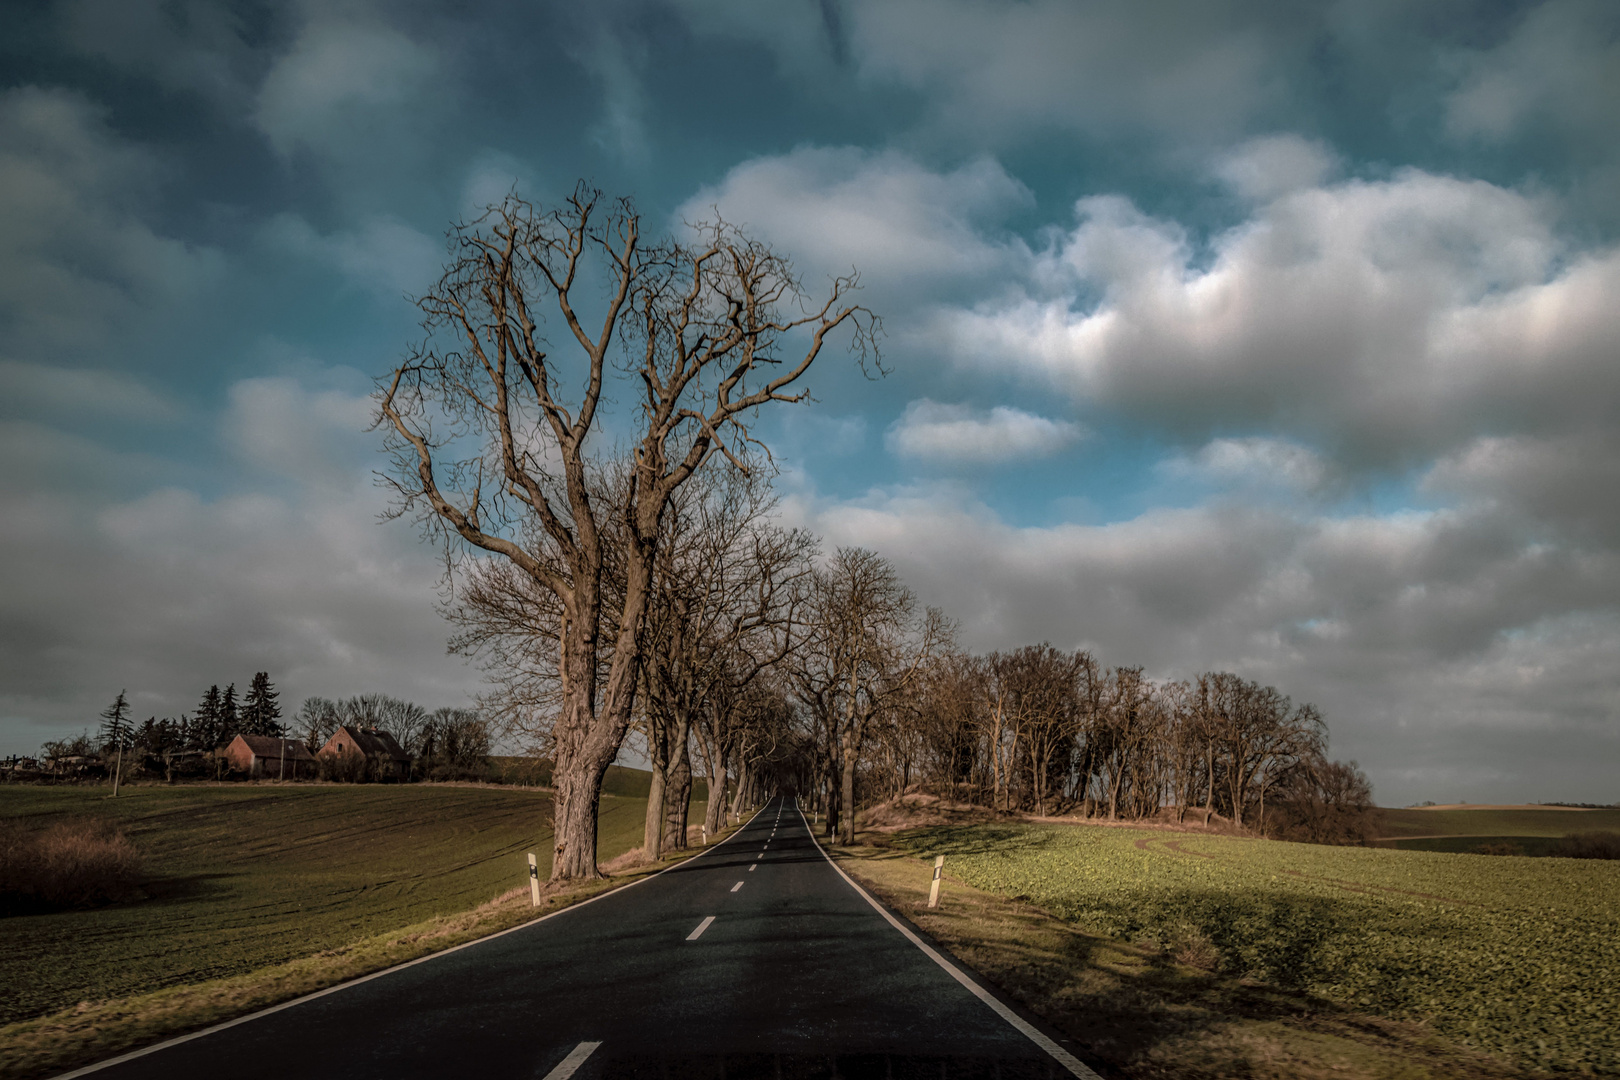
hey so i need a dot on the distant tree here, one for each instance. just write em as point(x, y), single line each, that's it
point(404, 720)
point(58, 750)
point(457, 738)
point(117, 731)
point(208, 725)
point(318, 719)
point(1324, 802)
point(261, 715)
point(230, 723)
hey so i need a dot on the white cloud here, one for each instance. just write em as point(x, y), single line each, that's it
point(1382, 321)
point(383, 254)
point(934, 431)
point(609, 59)
point(1255, 460)
point(342, 72)
point(278, 426)
point(1264, 168)
point(903, 225)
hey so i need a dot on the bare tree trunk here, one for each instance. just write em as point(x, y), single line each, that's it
point(652, 834)
point(677, 801)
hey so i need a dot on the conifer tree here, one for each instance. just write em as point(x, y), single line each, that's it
point(116, 728)
point(117, 732)
point(260, 713)
point(230, 724)
point(206, 728)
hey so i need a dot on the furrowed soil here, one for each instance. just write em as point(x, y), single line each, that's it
point(1185, 955)
point(244, 877)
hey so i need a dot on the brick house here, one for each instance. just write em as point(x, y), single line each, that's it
point(374, 746)
point(262, 756)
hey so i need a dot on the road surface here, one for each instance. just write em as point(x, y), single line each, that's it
point(758, 958)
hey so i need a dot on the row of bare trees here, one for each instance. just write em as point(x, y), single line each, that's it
point(1041, 730)
point(620, 582)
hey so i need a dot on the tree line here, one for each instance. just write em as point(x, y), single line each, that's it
point(446, 743)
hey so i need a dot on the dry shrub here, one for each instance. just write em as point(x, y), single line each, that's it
point(1590, 845)
point(1192, 947)
point(628, 861)
point(1499, 849)
point(69, 864)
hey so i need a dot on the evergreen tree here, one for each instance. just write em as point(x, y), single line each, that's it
point(116, 728)
point(206, 728)
point(230, 724)
point(260, 713)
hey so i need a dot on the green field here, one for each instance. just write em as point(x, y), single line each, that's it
point(1508, 955)
point(246, 876)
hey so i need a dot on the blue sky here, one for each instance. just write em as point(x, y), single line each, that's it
point(1271, 337)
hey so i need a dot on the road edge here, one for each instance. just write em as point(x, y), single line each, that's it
point(959, 971)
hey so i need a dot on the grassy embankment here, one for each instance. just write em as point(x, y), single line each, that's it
point(259, 893)
point(1177, 955)
point(1533, 830)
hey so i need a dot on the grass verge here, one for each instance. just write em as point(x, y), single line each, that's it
point(1147, 1010)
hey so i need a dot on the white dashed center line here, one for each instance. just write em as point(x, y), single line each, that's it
point(751, 869)
point(737, 886)
point(565, 1068)
point(702, 926)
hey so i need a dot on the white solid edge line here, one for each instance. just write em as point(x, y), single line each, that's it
point(85, 1070)
point(565, 1068)
point(702, 926)
point(1024, 1027)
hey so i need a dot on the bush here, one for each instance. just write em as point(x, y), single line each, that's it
point(1591, 845)
point(66, 865)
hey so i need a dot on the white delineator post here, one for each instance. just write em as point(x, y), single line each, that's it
point(534, 881)
point(933, 890)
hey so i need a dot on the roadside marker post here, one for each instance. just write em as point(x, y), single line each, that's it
point(534, 881)
point(933, 890)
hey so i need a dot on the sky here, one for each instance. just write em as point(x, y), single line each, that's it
point(1271, 337)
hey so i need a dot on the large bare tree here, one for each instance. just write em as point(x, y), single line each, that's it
point(489, 427)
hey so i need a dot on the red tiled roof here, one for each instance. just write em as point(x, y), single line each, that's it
point(265, 746)
point(372, 742)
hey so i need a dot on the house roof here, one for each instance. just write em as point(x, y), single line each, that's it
point(373, 742)
point(266, 746)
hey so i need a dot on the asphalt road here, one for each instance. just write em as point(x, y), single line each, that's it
point(757, 958)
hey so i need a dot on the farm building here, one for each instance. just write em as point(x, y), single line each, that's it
point(261, 756)
point(373, 745)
